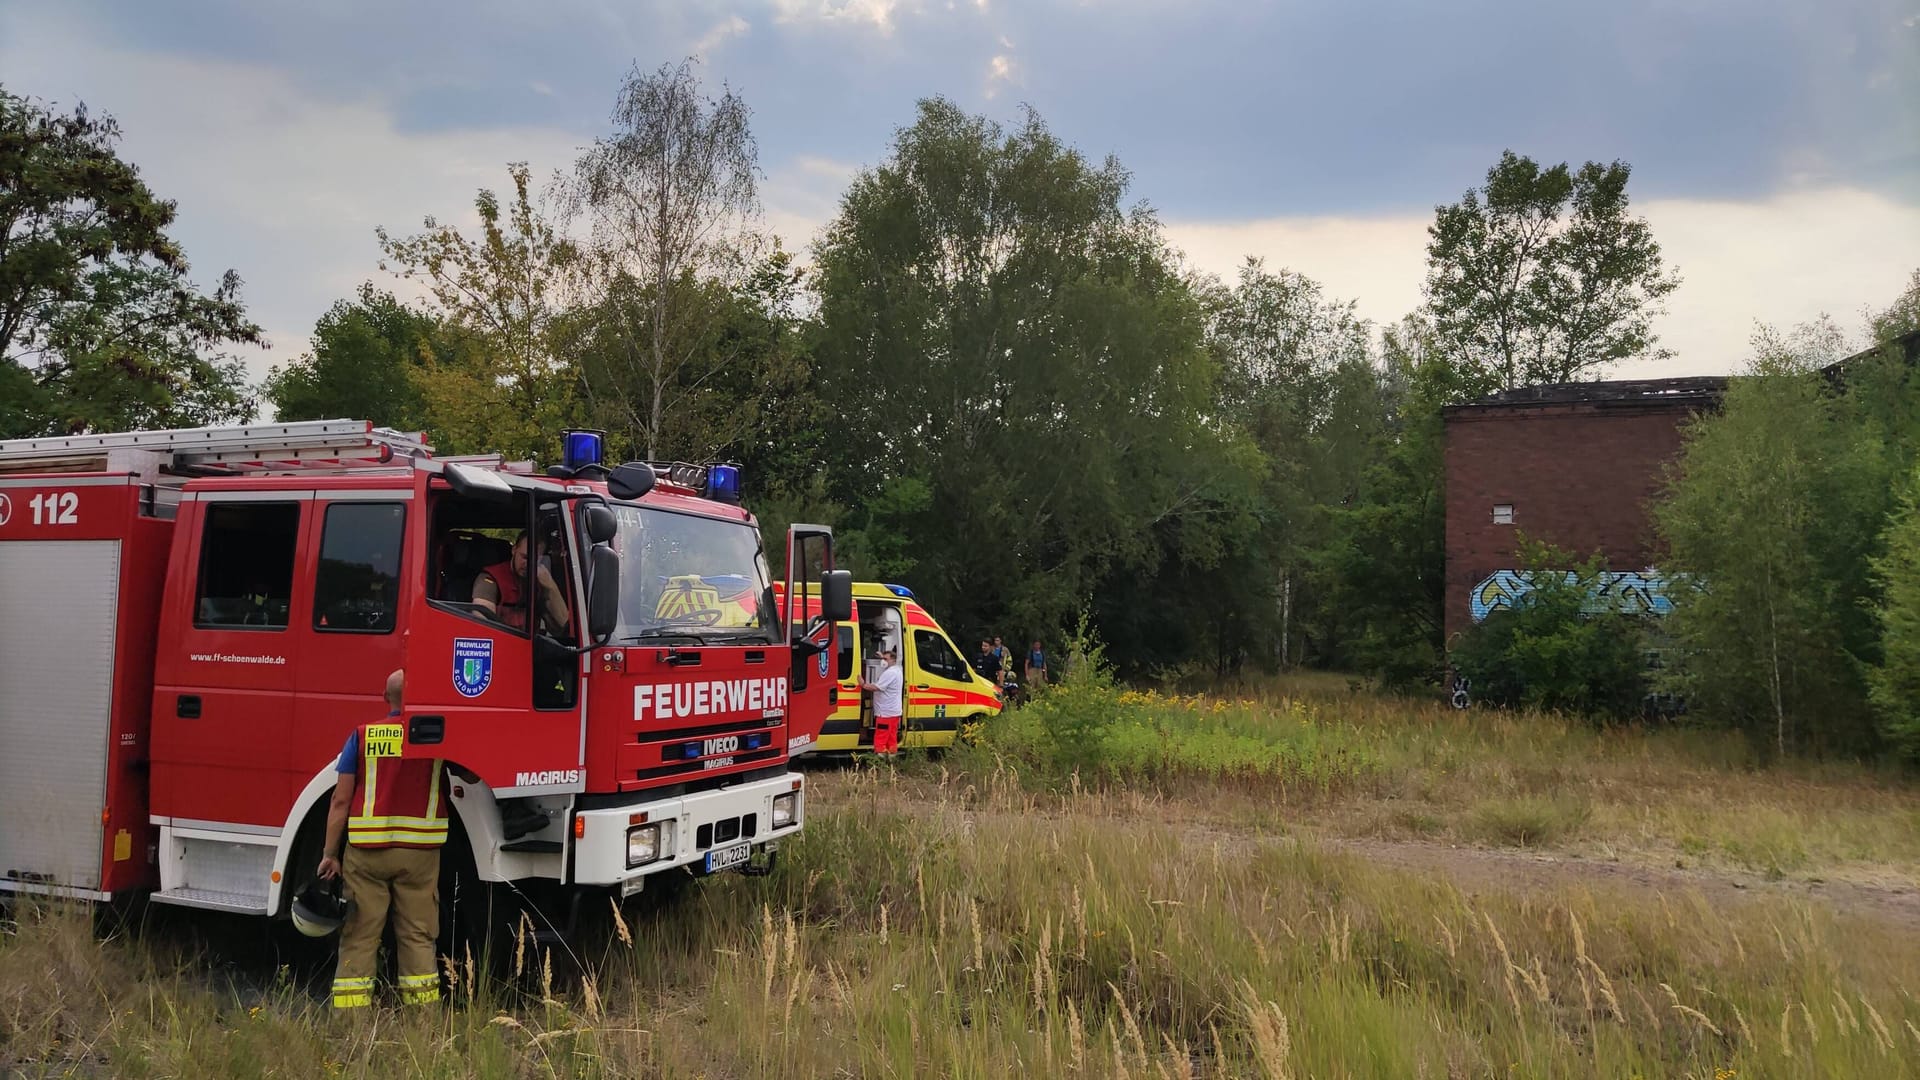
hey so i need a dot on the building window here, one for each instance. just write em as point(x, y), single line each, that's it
point(1503, 514)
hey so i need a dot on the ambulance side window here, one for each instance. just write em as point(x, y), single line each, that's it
point(246, 565)
point(937, 657)
point(357, 587)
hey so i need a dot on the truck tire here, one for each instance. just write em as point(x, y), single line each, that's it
point(476, 921)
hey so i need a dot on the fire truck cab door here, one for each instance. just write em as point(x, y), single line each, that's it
point(811, 637)
point(482, 692)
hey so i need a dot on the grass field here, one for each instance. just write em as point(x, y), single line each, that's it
point(1177, 902)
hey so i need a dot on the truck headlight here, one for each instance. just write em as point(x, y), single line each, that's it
point(643, 844)
point(783, 808)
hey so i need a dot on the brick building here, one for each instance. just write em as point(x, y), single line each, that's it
point(1575, 465)
point(1572, 464)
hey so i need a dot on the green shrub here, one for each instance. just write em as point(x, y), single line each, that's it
point(1087, 726)
point(1551, 651)
point(1528, 820)
point(1895, 681)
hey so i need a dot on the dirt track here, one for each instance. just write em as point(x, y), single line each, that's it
point(1475, 869)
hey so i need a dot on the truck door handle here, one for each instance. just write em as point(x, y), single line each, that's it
point(187, 706)
point(922, 686)
point(426, 730)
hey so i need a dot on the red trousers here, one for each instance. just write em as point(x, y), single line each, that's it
point(886, 734)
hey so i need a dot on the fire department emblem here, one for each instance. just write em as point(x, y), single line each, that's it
point(472, 665)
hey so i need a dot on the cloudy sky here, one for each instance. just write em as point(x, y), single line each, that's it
point(1775, 145)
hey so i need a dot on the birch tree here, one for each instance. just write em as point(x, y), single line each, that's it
point(671, 199)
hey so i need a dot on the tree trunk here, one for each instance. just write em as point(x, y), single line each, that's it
point(1779, 702)
point(653, 425)
point(1286, 619)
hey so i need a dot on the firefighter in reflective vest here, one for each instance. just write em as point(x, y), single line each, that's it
point(500, 590)
point(391, 812)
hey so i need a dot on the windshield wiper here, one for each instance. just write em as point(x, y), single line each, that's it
point(743, 633)
point(655, 632)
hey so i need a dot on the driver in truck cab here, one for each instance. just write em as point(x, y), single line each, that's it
point(499, 590)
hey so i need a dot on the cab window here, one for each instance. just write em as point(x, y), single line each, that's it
point(846, 652)
point(471, 537)
point(246, 566)
point(357, 586)
point(474, 537)
point(937, 657)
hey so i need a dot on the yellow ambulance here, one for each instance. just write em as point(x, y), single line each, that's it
point(942, 689)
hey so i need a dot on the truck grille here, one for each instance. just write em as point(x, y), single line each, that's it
point(726, 830)
point(698, 766)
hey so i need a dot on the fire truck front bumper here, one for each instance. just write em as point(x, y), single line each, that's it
point(707, 832)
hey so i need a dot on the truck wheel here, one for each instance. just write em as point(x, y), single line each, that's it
point(475, 919)
point(663, 891)
point(310, 958)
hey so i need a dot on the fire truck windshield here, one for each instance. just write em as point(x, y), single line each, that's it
point(687, 576)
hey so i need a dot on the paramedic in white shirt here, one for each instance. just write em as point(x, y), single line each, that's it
point(886, 687)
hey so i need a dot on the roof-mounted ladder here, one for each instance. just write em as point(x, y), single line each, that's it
point(250, 450)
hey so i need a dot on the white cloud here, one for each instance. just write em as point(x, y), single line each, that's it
point(731, 27)
point(540, 88)
point(1781, 260)
point(1000, 71)
point(801, 196)
point(878, 13)
point(283, 188)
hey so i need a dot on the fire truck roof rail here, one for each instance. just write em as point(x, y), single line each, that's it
point(255, 449)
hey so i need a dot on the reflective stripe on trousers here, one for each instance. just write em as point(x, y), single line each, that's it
point(419, 989)
point(353, 993)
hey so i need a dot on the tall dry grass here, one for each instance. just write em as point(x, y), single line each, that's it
point(1162, 910)
point(1316, 751)
point(977, 928)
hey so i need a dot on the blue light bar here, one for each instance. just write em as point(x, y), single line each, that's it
point(900, 590)
point(723, 483)
point(580, 448)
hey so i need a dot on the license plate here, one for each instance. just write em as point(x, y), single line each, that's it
point(728, 858)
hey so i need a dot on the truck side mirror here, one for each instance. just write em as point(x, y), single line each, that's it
point(630, 480)
point(603, 592)
point(600, 522)
point(836, 595)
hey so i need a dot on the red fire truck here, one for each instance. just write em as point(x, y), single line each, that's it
point(191, 621)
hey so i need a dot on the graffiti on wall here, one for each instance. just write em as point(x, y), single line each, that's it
point(1629, 592)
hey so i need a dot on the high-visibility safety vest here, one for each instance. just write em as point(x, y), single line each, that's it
point(398, 800)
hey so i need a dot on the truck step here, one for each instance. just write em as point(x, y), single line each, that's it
point(242, 903)
point(534, 847)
